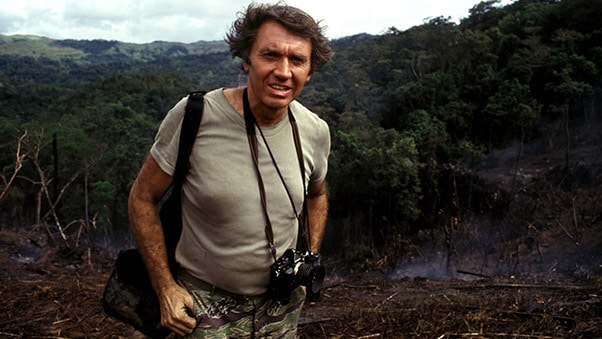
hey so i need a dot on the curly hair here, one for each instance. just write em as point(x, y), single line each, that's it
point(244, 30)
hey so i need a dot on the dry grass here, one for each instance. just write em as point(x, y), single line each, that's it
point(55, 295)
point(453, 309)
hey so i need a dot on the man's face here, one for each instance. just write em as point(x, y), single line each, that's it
point(278, 68)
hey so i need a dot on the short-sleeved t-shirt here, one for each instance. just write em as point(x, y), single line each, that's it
point(223, 240)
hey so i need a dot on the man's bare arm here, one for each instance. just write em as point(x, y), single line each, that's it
point(317, 208)
point(148, 188)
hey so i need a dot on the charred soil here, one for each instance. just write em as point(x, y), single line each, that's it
point(46, 293)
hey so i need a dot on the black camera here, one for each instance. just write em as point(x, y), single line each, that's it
point(295, 268)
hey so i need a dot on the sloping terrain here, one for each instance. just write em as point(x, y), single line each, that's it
point(48, 294)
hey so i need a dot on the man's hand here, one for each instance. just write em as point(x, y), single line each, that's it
point(177, 306)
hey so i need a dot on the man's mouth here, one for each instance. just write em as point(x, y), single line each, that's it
point(280, 88)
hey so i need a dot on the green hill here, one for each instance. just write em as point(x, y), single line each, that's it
point(36, 46)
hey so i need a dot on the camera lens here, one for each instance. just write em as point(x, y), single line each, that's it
point(311, 276)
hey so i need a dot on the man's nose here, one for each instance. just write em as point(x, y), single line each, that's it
point(283, 69)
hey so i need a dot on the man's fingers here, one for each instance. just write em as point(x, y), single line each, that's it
point(175, 313)
point(181, 323)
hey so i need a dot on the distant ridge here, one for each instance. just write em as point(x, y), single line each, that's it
point(38, 46)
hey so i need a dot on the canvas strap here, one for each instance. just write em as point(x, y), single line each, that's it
point(251, 124)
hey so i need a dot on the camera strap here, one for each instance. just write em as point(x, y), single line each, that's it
point(250, 124)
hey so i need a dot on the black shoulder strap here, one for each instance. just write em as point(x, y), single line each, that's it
point(171, 210)
point(190, 127)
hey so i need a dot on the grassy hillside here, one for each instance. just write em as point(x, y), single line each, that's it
point(36, 46)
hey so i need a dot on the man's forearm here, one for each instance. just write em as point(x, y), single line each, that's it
point(148, 188)
point(317, 208)
point(148, 234)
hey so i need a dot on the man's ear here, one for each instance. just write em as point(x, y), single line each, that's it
point(308, 78)
point(245, 67)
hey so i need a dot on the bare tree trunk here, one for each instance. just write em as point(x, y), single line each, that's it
point(46, 193)
point(86, 202)
point(518, 156)
point(55, 156)
point(567, 139)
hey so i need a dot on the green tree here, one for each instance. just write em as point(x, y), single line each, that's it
point(373, 177)
point(124, 136)
point(514, 105)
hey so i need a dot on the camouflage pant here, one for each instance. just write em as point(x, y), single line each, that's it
point(222, 315)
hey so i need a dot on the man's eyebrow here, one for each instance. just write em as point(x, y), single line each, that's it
point(272, 50)
point(269, 50)
point(302, 57)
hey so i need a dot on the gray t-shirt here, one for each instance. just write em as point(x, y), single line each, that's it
point(223, 239)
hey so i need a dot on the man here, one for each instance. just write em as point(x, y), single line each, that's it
point(223, 252)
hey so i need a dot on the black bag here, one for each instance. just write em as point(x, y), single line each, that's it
point(130, 298)
point(128, 295)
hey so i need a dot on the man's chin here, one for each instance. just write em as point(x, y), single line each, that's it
point(279, 103)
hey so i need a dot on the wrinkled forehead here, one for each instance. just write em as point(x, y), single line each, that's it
point(274, 36)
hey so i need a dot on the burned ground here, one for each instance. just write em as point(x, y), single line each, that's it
point(46, 294)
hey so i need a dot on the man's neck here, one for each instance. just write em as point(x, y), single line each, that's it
point(234, 96)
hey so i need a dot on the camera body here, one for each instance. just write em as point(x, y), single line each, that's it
point(293, 269)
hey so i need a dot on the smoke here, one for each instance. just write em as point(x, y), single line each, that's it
point(427, 270)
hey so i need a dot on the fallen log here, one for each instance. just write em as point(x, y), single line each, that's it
point(549, 287)
point(574, 303)
point(491, 335)
point(475, 274)
point(360, 287)
point(306, 321)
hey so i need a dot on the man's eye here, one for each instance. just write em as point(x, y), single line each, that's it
point(298, 61)
point(271, 56)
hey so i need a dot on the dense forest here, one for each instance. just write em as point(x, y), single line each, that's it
point(412, 114)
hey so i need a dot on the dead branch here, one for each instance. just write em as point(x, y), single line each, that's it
point(475, 274)
point(19, 159)
point(575, 220)
point(335, 285)
point(388, 298)
point(307, 321)
point(360, 287)
point(44, 183)
point(34, 154)
point(568, 234)
point(34, 150)
point(490, 335)
point(552, 287)
point(71, 181)
point(575, 303)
